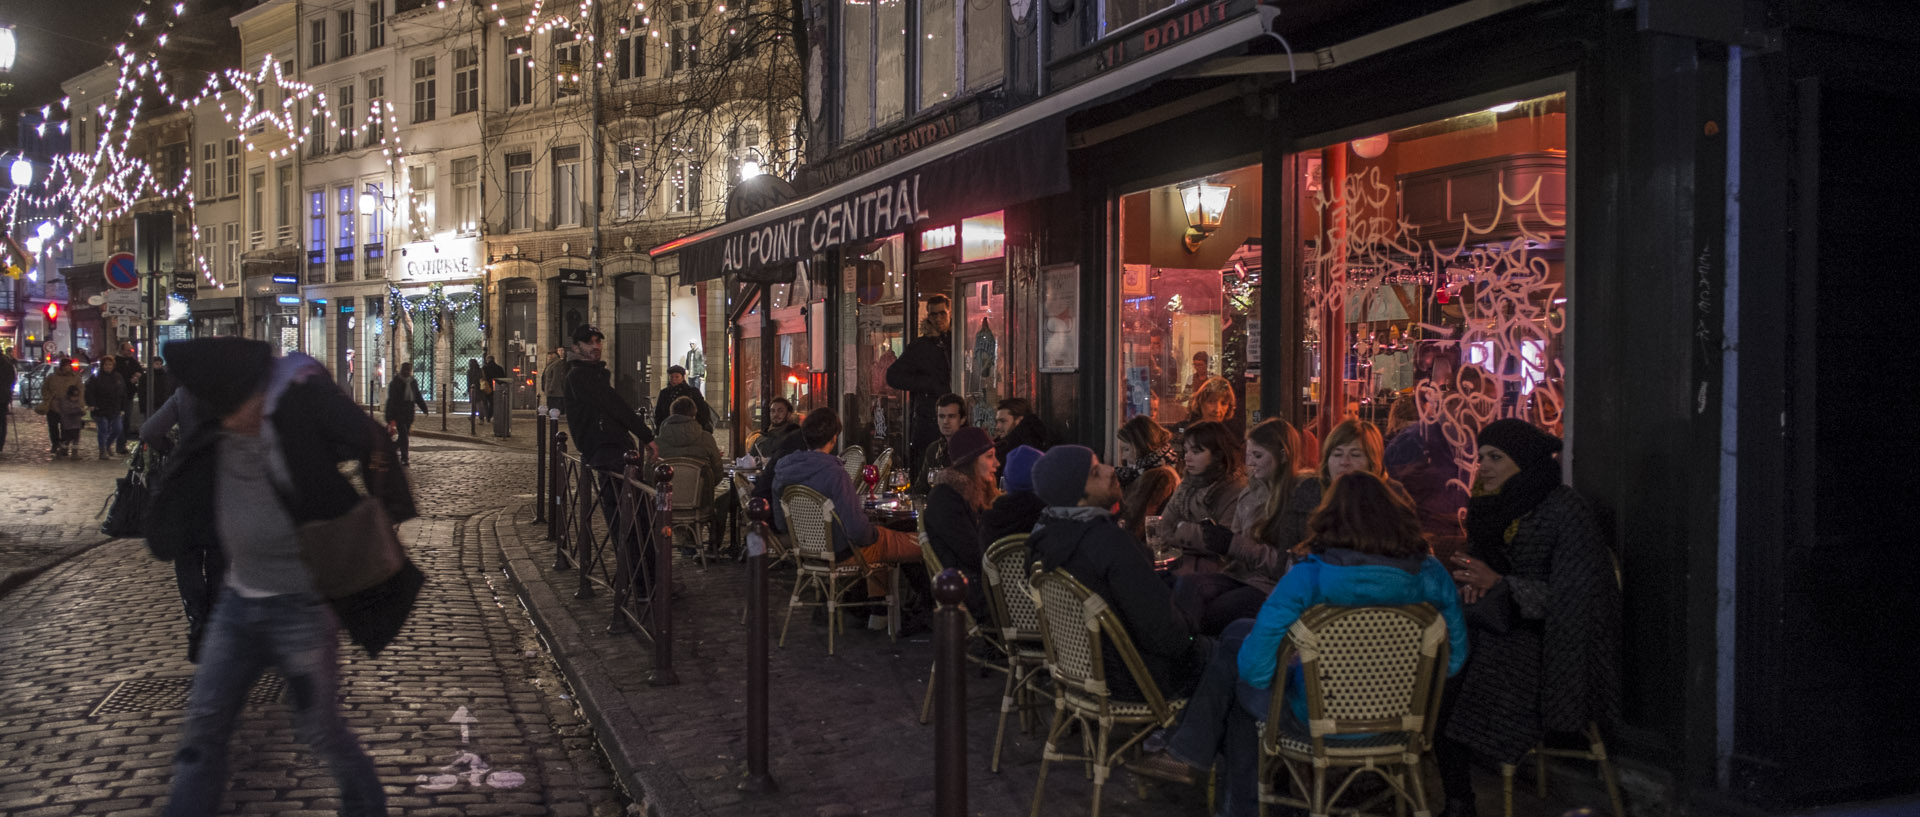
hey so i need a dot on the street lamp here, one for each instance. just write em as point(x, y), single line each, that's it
point(9, 47)
point(22, 170)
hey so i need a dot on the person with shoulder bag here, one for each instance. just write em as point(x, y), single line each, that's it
point(276, 550)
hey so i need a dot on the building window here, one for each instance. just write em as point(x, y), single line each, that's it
point(376, 110)
point(629, 183)
point(566, 186)
point(316, 236)
point(209, 171)
point(347, 204)
point(873, 65)
point(984, 57)
point(684, 194)
point(257, 209)
point(376, 24)
point(630, 49)
point(343, 102)
point(233, 250)
point(230, 153)
point(317, 42)
point(938, 54)
point(519, 191)
point(684, 38)
point(1118, 14)
point(283, 206)
point(566, 63)
point(376, 225)
point(346, 34)
point(466, 194)
point(425, 88)
point(519, 72)
point(466, 80)
point(420, 194)
point(316, 135)
point(743, 152)
point(742, 37)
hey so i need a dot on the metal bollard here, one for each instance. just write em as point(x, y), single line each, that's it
point(950, 695)
point(662, 597)
point(581, 535)
point(446, 400)
point(556, 515)
point(540, 465)
point(758, 780)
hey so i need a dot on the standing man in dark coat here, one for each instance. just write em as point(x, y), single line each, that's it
point(403, 394)
point(127, 366)
point(678, 387)
point(605, 428)
point(925, 372)
point(107, 396)
point(8, 374)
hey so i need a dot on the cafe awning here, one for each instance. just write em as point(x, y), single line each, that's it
point(1021, 166)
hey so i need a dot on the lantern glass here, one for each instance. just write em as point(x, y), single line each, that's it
point(1205, 203)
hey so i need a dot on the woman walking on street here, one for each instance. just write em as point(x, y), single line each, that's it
point(402, 396)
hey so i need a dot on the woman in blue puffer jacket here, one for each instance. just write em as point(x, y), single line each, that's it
point(1363, 549)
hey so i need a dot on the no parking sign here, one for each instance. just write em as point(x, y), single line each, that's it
point(120, 272)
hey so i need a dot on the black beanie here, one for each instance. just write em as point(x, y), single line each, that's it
point(1523, 441)
point(220, 372)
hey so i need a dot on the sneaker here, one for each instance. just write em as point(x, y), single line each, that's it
point(1163, 766)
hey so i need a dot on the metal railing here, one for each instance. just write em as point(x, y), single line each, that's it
point(615, 531)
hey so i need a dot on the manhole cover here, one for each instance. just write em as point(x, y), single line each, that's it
point(162, 694)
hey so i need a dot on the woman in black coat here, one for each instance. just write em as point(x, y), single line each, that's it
point(963, 491)
point(402, 396)
point(1543, 611)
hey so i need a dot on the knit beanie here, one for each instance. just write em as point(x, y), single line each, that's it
point(221, 373)
point(1060, 475)
point(1523, 441)
point(967, 443)
point(1019, 468)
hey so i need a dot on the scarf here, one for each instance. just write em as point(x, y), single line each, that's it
point(1153, 459)
point(1076, 513)
point(1492, 517)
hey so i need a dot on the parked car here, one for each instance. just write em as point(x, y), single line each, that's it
point(27, 386)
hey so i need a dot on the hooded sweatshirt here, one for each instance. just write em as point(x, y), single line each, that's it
point(825, 473)
point(1111, 563)
point(1345, 578)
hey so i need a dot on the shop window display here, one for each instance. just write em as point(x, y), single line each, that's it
point(878, 326)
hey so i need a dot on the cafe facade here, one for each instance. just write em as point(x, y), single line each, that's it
point(1480, 209)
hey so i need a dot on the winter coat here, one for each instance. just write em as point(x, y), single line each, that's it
point(73, 414)
point(1014, 512)
point(771, 439)
point(1147, 496)
point(56, 383)
point(317, 427)
point(662, 406)
point(924, 371)
point(403, 394)
point(1558, 667)
point(763, 487)
point(952, 527)
point(602, 425)
point(933, 459)
point(1345, 578)
point(1111, 563)
point(1208, 496)
point(9, 372)
point(553, 379)
point(107, 394)
point(683, 437)
point(1029, 431)
point(825, 473)
point(1254, 557)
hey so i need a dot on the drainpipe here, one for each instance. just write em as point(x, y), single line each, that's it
point(1726, 553)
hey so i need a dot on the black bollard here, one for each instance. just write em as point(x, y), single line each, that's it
point(556, 514)
point(950, 695)
point(758, 780)
point(540, 466)
point(662, 596)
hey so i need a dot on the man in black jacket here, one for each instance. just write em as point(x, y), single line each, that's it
point(677, 387)
point(604, 429)
point(1077, 532)
point(923, 372)
point(1016, 425)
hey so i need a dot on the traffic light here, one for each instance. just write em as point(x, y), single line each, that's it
point(52, 311)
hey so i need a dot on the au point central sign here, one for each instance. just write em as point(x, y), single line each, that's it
point(442, 259)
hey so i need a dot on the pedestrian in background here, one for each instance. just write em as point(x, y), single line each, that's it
point(678, 387)
point(65, 375)
point(478, 397)
point(71, 409)
point(240, 490)
point(553, 379)
point(403, 394)
point(8, 374)
point(923, 372)
point(107, 396)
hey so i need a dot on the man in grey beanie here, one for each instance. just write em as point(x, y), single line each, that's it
point(1077, 532)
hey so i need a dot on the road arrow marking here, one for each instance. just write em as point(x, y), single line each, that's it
point(461, 717)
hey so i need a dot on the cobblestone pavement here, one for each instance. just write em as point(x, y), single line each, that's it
point(469, 647)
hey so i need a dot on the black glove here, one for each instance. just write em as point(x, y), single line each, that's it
point(1216, 537)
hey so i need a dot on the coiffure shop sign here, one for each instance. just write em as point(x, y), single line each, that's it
point(442, 259)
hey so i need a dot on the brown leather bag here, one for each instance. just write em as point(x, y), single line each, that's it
point(352, 552)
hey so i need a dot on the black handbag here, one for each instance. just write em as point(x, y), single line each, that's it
point(1494, 612)
point(127, 509)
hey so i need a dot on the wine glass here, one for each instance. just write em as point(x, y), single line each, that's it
point(900, 481)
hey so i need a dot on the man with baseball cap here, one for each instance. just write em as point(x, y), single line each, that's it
point(1077, 532)
point(603, 426)
point(677, 387)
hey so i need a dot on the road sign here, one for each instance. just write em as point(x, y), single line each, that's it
point(120, 271)
point(122, 303)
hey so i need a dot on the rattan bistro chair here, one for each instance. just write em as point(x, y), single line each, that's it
point(854, 458)
point(1072, 622)
point(1373, 679)
point(692, 504)
point(1005, 567)
point(885, 465)
point(811, 519)
point(932, 563)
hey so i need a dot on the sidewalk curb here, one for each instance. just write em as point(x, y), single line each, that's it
point(635, 756)
point(14, 579)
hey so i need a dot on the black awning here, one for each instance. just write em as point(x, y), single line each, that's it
point(1026, 164)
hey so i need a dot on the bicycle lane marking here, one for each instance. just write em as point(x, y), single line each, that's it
point(468, 766)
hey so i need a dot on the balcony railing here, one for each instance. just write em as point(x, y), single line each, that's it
point(316, 266)
point(376, 255)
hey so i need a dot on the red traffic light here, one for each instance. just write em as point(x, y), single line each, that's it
point(52, 311)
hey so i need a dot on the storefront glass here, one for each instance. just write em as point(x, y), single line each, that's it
point(468, 340)
point(748, 350)
point(373, 353)
point(878, 328)
point(796, 307)
point(1188, 298)
point(1431, 263)
point(421, 348)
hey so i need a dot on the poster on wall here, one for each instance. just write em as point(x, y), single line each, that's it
point(1059, 318)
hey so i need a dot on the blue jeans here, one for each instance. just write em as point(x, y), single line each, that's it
point(108, 430)
point(1219, 721)
point(298, 634)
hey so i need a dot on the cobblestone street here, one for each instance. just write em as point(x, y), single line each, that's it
point(95, 682)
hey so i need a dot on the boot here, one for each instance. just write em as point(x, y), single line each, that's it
point(103, 453)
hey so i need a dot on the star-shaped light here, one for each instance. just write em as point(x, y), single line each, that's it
point(279, 116)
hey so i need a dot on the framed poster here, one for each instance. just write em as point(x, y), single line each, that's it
point(1059, 318)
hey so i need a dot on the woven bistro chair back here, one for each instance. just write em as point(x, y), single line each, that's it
point(854, 458)
point(810, 518)
point(885, 464)
point(1006, 567)
point(778, 549)
point(1372, 678)
point(690, 489)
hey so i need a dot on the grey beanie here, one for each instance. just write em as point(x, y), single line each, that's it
point(1060, 475)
